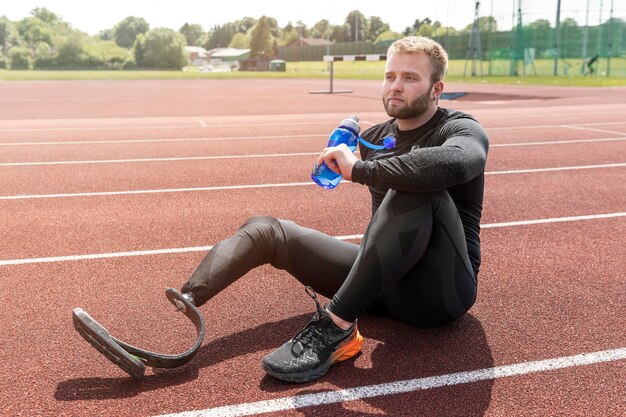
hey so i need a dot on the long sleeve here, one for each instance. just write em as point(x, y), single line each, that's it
point(461, 157)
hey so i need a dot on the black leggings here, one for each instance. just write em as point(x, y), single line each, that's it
point(412, 263)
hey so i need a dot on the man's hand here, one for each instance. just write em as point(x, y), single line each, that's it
point(339, 159)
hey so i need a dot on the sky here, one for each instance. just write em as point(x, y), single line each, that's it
point(94, 16)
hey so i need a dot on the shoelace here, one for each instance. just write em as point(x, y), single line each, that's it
point(309, 333)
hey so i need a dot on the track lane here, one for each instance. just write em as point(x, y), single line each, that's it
point(268, 167)
point(515, 289)
point(150, 221)
point(545, 291)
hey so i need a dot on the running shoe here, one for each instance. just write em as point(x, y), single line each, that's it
point(318, 346)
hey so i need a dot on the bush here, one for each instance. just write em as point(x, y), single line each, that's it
point(21, 58)
point(161, 48)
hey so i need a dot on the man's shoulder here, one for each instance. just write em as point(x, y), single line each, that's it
point(380, 129)
point(451, 114)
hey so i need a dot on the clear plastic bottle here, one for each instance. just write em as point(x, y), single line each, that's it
point(348, 133)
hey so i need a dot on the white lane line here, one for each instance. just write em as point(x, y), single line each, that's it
point(212, 139)
point(250, 186)
point(553, 220)
point(570, 168)
point(595, 130)
point(85, 257)
point(621, 122)
point(182, 158)
point(275, 155)
point(153, 126)
point(156, 191)
point(201, 122)
point(555, 142)
point(406, 386)
point(96, 142)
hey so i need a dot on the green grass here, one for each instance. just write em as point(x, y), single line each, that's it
point(358, 70)
point(37, 75)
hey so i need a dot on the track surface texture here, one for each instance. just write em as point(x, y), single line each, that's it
point(113, 191)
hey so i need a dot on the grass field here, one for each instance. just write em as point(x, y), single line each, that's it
point(490, 73)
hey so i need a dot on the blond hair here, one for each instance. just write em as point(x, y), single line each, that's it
point(437, 55)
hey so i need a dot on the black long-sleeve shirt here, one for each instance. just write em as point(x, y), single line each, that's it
point(447, 152)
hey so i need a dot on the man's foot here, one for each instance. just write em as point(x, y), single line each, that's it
point(311, 353)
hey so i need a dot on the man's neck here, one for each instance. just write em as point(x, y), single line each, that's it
point(415, 122)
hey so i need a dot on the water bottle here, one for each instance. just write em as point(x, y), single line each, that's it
point(348, 133)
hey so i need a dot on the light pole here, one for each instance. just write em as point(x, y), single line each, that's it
point(557, 38)
point(585, 40)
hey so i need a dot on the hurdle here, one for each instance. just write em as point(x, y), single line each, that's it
point(347, 58)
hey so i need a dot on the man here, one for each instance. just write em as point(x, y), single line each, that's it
point(590, 64)
point(420, 254)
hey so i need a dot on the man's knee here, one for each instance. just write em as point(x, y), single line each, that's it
point(268, 238)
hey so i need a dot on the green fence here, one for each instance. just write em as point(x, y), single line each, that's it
point(522, 51)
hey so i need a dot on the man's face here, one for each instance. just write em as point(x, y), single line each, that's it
point(407, 89)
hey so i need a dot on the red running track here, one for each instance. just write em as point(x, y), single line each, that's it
point(547, 290)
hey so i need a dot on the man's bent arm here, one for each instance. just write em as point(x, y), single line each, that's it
point(459, 159)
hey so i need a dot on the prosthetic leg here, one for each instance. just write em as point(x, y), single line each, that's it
point(134, 360)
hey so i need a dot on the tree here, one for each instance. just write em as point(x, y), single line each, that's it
point(273, 24)
point(261, 40)
point(485, 24)
point(21, 58)
point(340, 33)
point(411, 30)
point(376, 27)
point(240, 41)
point(425, 30)
point(34, 31)
point(388, 36)
point(71, 54)
point(5, 28)
point(540, 36)
point(106, 34)
point(444, 31)
point(288, 36)
point(125, 32)
point(244, 25)
point(191, 33)
point(321, 30)
point(358, 26)
point(44, 15)
point(220, 36)
point(161, 48)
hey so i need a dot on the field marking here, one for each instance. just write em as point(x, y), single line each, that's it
point(556, 142)
point(553, 126)
point(212, 139)
point(157, 191)
point(594, 130)
point(239, 125)
point(275, 155)
point(570, 168)
point(406, 386)
point(276, 185)
point(92, 256)
point(182, 158)
point(152, 126)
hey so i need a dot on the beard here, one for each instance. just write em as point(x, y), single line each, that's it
point(408, 110)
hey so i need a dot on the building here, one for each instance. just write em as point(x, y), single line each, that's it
point(310, 42)
point(197, 55)
point(229, 54)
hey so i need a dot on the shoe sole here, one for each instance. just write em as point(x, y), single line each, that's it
point(343, 352)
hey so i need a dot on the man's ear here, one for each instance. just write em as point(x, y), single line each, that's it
point(436, 90)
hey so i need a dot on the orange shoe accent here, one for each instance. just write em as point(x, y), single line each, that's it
point(349, 349)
